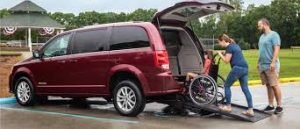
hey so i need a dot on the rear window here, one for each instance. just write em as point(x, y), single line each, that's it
point(129, 37)
point(90, 40)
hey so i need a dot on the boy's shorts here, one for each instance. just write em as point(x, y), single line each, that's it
point(269, 78)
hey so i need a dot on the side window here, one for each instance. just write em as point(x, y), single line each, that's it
point(57, 47)
point(129, 37)
point(90, 40)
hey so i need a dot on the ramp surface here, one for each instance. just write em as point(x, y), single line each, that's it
point(235, 113)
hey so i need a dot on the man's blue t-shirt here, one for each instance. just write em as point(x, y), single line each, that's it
point(266, 44)
point(237, 58)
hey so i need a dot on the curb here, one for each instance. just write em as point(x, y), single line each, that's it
point(8, 100)
point(281, 80)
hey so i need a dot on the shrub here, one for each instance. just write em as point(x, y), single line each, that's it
point(218, 47)
point(243, 44)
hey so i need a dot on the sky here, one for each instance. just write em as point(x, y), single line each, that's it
point(77, 6)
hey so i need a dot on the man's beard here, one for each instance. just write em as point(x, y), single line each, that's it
point(262, 30)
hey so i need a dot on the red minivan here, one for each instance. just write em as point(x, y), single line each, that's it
point(127, 62)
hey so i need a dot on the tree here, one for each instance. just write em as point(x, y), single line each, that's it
point(142, 15)
point(67, 19)
point(3, 12)
point(241, 24)
point(286, 20)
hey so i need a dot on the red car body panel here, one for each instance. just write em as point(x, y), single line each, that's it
point(90, 74)
point(82, 74)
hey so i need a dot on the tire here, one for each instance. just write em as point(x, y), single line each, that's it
point(131, 104)
point(24, 92)
point(203, 90)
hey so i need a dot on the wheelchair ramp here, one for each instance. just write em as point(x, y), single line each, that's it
point(235, 113)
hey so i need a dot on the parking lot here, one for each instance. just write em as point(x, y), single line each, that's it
point(58, 114)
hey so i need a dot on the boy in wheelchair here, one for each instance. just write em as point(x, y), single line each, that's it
point(205, 70)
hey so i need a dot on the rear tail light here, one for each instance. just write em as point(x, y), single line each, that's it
point(161, 59)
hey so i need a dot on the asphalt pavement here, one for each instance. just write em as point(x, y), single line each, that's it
point(99, 115)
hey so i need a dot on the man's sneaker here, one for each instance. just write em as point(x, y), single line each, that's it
point(268, 108)
point(278, 110)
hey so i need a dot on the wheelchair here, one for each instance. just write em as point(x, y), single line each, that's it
point(207, 89)
point(202, 90)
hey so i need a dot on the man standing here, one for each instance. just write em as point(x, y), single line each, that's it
point(268, 64)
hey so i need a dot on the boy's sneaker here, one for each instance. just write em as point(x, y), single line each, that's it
point(278, 110)
point(268, 108)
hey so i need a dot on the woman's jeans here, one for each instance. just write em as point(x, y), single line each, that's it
point(241, 74)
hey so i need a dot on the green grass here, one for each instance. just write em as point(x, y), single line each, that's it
point(289, 64)
point(289, 60)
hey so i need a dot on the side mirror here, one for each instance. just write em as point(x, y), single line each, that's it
point(36, 54)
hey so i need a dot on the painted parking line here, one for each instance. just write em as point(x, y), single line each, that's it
point(8, 100)
point(72, 115)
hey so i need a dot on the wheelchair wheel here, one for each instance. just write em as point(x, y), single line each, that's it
point(203, 90)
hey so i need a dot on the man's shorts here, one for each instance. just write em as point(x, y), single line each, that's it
point(269, 78)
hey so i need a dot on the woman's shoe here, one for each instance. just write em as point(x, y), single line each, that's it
point(249, 113)
point(225, 108)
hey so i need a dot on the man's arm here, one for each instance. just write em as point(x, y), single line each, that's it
point(275, 56)
point(276, 41)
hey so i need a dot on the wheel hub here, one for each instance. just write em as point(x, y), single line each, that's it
point(126, 99)
point(23, 92)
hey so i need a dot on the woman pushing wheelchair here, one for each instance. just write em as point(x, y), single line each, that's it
point(239, 71)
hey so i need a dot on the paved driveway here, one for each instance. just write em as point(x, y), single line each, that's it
point(60, 115)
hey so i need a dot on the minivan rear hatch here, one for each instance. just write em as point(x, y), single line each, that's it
point(185, 11)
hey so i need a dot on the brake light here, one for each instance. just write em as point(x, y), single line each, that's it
point(161, 59)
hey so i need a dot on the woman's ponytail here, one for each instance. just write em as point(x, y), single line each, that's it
point(226, 38)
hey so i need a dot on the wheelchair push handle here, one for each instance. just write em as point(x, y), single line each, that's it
point(216, 59)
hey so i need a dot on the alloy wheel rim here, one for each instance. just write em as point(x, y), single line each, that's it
point(126, 99)
point(23, 91)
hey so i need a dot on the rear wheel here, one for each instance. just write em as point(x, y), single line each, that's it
point(128, 99)
point(24, 92)
point(203, 90)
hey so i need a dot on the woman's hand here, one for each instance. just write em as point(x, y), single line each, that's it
point(221, 53)
point(225, 57)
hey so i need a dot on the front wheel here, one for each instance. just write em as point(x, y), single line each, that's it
point(128, 99)
point(24, 92)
